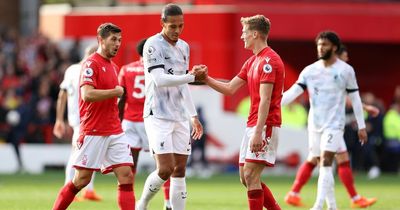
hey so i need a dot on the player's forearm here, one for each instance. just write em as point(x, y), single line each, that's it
point(61, 102)
point(263, 108)
point(93, 95)
point(166, 80)
point(263, 111)
point(222, 87)
point(357, 109)
point(291, 94)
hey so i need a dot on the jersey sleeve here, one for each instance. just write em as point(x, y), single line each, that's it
point(351, 83)
point(89, 74)
point(302, 80)
point(267, 69)
point(153, 56)
point(243, 72)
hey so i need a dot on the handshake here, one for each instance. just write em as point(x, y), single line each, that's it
point(200, 72)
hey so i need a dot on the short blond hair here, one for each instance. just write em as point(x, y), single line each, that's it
point(257, 23)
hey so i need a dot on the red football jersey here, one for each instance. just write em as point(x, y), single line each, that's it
point(131, 77)
point(265, 67)
point(99, 118)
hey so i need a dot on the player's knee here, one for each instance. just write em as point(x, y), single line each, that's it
point(249, 175)
point(165, 172)
point(243, 181)
point(179, 171)
point(81, 182)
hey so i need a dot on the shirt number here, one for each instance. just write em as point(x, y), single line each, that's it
point(138, 86)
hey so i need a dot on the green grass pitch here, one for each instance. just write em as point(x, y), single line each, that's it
point(222, 192)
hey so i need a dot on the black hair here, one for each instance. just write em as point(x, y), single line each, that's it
point(105, 29)
point(170, 10)
point(139, 47)
point(331, 36)
point(341, 49)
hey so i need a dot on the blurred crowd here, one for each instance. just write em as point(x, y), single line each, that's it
point(31, 69)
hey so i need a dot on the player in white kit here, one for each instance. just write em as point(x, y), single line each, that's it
point(167, 106)
point(69, 94)
point(328, 81)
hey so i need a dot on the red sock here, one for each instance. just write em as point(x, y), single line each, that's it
point(166, 189)
point(302, 176)
point(346, 175)
point(269, 200)
point(65, 196)
point(255, 199)
point(126, 198)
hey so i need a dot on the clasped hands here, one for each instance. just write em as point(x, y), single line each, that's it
point(200, 72)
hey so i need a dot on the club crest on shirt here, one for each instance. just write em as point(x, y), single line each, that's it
point(88, 63)
point(88, 72)
point(267, 68)
point(151, 50)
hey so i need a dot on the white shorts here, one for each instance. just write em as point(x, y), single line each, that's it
point(167, 136)
point(327, 140)
point(268, 155)
point(136, 135)
point(102, 153)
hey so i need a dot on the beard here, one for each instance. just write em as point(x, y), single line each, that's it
point(327, 55)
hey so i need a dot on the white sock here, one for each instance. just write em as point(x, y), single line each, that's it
point(325, 184)
point(167, 203)
point(152, 185)
point(69, 171)
point(178, 193)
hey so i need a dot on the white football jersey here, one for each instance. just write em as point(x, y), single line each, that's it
point(71, 85)
point(327, 88)
point(165, 102)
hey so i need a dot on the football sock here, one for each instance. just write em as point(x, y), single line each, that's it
point(302, 176)
point(178, 193)
point(346, 176)
point(325, 186)
point(151, 187)
point(69, 171)
point(166, 187)
point(269, 200)
point(65, 196)
point(125, 197)
point(255, 199)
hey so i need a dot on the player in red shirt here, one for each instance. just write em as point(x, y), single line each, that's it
point(102, 144)
point(264, 73)
point(131, 78)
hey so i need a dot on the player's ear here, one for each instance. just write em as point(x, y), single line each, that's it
point(255, 34)
point(162, 23)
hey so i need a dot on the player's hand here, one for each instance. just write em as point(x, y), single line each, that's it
point(362, 136)
point(197, 128)
point(200, 72)
point(119, 91)
point(59, 129)
point(372, 110)
point(256, 143)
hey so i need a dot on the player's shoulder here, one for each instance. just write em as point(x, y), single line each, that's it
point(154, 40)
point(313, 66)
point(136, 66)
point(182, 43)
point(344, 65)
point(73, 67)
